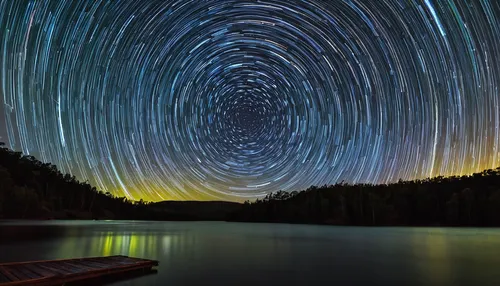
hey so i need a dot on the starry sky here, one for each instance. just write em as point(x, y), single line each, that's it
point(233, 99)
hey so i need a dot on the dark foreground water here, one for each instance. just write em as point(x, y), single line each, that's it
point(218, 253)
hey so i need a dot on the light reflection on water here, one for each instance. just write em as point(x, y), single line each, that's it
point(195, 253)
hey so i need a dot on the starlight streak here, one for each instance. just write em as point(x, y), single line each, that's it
point(226, 99)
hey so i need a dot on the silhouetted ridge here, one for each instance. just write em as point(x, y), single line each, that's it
point(453, 201)
point(30, 188)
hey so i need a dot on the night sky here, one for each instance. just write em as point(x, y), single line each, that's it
point(231, 100)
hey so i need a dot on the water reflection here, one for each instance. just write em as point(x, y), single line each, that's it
point(447, 256)
point(105, 240)
point(257, 254)
point(115, 243)
point(431, 247)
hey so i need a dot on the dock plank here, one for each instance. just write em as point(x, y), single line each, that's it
point(24, 272)
point(113, 262)
point(7, 274)
point(40, 271)
point(58, 268)
point(93, 264)
point(52, 270)
point(57, 272)
point(79, 265)
point(3, 279)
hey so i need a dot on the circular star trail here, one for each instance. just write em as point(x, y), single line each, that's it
point(235, 99)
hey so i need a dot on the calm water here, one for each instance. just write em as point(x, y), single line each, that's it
point(218, 253)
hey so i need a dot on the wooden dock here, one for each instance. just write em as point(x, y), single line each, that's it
point(59, 272)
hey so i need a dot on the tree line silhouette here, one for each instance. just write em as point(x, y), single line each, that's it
point(452, 201)
point(30, 188)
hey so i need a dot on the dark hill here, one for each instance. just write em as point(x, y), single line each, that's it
point(32, 189)
point(452, 201)
point(199, 210)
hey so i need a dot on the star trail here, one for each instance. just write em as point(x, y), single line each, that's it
point(231, 100)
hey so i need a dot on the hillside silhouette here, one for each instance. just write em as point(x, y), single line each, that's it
point(31, 189)
point(452, 201)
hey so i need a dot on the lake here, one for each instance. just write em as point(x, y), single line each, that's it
point(220, 253)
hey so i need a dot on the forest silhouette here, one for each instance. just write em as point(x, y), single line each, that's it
point(31, 189)
point(442, 201)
